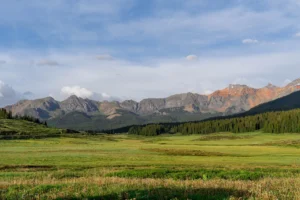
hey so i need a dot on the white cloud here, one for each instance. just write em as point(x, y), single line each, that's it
point(6, 90)
point(85, 93)
point(104, 57)
point(249, 41)
point(76, 90)
point(2, 62)
point(297, 34)
point(47, 63)
point(105, 95)
point(191, 57)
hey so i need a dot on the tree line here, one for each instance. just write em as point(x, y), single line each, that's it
point(270, 122)
point(4, 114)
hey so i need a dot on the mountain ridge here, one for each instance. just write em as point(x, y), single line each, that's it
point(236, 98)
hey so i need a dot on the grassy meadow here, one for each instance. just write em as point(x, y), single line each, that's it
point(216, 166)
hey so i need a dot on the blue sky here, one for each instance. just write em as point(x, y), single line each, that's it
point(135, 49)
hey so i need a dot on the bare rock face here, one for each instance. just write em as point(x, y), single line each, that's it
point(74, 103)
point(233, 95)
point(239, 98)
point(130, 105)
point(191, 108)
point(232, 110)
point(149, 106)
point(108, 108)
point(271, 86)
point(182, 100)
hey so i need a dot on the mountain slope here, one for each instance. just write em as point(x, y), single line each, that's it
point(82, 121)
point(288, 102)
point(40, 108)
point(278, 116)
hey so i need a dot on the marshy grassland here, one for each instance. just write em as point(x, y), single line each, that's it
point(216, 166)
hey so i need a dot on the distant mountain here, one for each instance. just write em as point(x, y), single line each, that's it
point(79, 113)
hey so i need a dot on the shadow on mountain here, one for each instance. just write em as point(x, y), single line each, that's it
point(172, 193)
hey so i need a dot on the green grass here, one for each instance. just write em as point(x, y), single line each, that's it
point(217, 166)
point(204, 174)
point(21, 129)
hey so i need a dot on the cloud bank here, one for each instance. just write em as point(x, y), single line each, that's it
point(76, 90)
point(7, 94)
point(84, 93)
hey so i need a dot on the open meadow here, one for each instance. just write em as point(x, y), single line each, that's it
point(216, 166)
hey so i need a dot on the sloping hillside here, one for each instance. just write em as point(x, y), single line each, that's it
point(22, 129)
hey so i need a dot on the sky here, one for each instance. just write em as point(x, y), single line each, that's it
point(133, 49)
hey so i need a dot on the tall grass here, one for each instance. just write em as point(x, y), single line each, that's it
point(122, 188)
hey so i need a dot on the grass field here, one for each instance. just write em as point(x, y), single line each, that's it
point(216, 166)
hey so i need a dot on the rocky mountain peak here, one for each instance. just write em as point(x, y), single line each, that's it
point(237, 86)
point(270, 86)
point(148, 106)
point(294, 83)
point(182, 100)
point(183, 96)
point(74, 103)
point(73, 98)
point(129, 105)
point(49, 99)
point(49, 103)
point(129, 102)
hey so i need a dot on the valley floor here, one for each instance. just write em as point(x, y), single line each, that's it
point(216, 166)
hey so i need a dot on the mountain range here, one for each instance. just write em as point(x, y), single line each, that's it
point(86, 114)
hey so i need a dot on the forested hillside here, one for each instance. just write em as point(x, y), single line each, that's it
point(271, 122)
